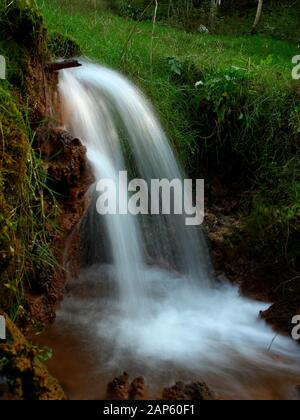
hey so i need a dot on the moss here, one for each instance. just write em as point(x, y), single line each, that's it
point(14, 142)
point(27, 377)
point(24, 241)
point(21, 22)
point(13, 154)
point(23, 40)
point(63, 46)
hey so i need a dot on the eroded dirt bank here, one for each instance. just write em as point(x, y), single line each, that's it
point(236, 259)
point(44, 177)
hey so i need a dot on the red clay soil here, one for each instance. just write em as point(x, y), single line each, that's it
point(70, 177)
point(68, 174)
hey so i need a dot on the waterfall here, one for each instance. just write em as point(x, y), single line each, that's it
point(146, 301)
point(108, 113)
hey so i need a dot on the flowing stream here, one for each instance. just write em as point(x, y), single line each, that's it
point(146, 301)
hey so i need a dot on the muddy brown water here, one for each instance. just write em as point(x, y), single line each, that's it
point(75, 367)
point(81, 362)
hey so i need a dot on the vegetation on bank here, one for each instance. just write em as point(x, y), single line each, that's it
point(280, 18)
point(23, 375)
point(228, 102)
point(24, 229)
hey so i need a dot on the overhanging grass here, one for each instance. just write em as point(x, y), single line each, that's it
point(125, 45)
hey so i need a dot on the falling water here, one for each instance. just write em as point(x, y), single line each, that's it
point(151, 305)
point(104, 110)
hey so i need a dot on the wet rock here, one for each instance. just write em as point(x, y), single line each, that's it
point(294, 394)
point(192, 391)
point(280, 314)
point(297, 393)
point(137, 389)
point(27, 378)
point(121, 388)
point(222, 278)
point(68, 174)
point(65, 163)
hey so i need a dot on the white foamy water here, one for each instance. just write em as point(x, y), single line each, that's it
point(185, 333)
point(132, 314)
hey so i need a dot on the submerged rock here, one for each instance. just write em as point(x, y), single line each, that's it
point(192, 391)
point(137, 389)
point(294, 394)
point(23, 376)
point(121, 388)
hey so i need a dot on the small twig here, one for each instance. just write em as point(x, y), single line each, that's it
point(272, 342)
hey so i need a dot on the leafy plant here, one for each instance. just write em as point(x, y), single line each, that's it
point(42, 353)
point(175, 65)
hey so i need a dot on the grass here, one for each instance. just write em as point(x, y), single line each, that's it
point(24, 233)
point(104, 36)
point(125, 45)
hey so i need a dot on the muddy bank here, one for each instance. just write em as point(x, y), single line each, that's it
point(68, 175)
point(51, 175)
point(44, 176)
point(237, 260)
